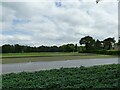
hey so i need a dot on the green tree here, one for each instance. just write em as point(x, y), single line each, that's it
point(89, 43)
point(18, 48)
point(98, 45)
point(67, 48)
point(76, 48)
point(7, 48)
point(108, 43)
point(70, 47)
point(119, 41)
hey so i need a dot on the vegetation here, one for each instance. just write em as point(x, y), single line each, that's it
point(65, 52)
point(108, 52)
point(90, 44)
point(40, 54)
point(103, 52)
point(25, 49)
point(48, 56)
point(102, 76)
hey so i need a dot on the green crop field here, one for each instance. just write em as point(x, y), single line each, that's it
point(47, 56)
point(102, 76)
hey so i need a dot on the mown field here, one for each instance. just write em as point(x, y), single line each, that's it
point(48, 56)
point(102, 76)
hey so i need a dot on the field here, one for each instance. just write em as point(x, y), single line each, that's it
point(103, 76)
point(47, 56)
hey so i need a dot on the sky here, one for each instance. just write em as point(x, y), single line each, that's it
point(57, 22)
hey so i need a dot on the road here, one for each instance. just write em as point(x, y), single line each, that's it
point(47, 65)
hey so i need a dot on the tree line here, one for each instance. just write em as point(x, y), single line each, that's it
point(94, 45)
point(7, 48)
point(87, 43)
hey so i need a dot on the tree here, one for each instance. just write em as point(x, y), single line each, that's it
point(54, 49)
point(67, 48)
point(76, 48)
point(108, 43)
point(18, 48)
point(0, 49)
point(119, 41)
point(89, 43)
point(98, 45)
point(7, 48)
point(70, 47)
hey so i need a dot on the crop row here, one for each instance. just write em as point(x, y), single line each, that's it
point(102, 76)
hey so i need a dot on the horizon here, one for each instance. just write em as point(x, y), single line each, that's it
point(54, 44)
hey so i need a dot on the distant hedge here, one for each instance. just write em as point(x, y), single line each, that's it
point(103, 52)
point(108, 52)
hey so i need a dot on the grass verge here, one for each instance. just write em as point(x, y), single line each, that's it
point(34, 57)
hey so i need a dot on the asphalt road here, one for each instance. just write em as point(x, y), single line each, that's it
point(47, 65)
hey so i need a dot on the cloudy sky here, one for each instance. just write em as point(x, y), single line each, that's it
point(56, 22)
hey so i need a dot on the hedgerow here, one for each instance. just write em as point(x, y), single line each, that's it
point(105, 52)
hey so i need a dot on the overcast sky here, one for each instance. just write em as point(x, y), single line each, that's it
point(57, 23)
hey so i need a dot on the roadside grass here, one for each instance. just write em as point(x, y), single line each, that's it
point(95, 77)
point(41, 54)
point(48, 56)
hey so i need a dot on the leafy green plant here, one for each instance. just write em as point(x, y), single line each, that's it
point(102, 76)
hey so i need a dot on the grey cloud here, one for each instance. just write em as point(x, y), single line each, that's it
point(20, 9)
point(51, 25)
